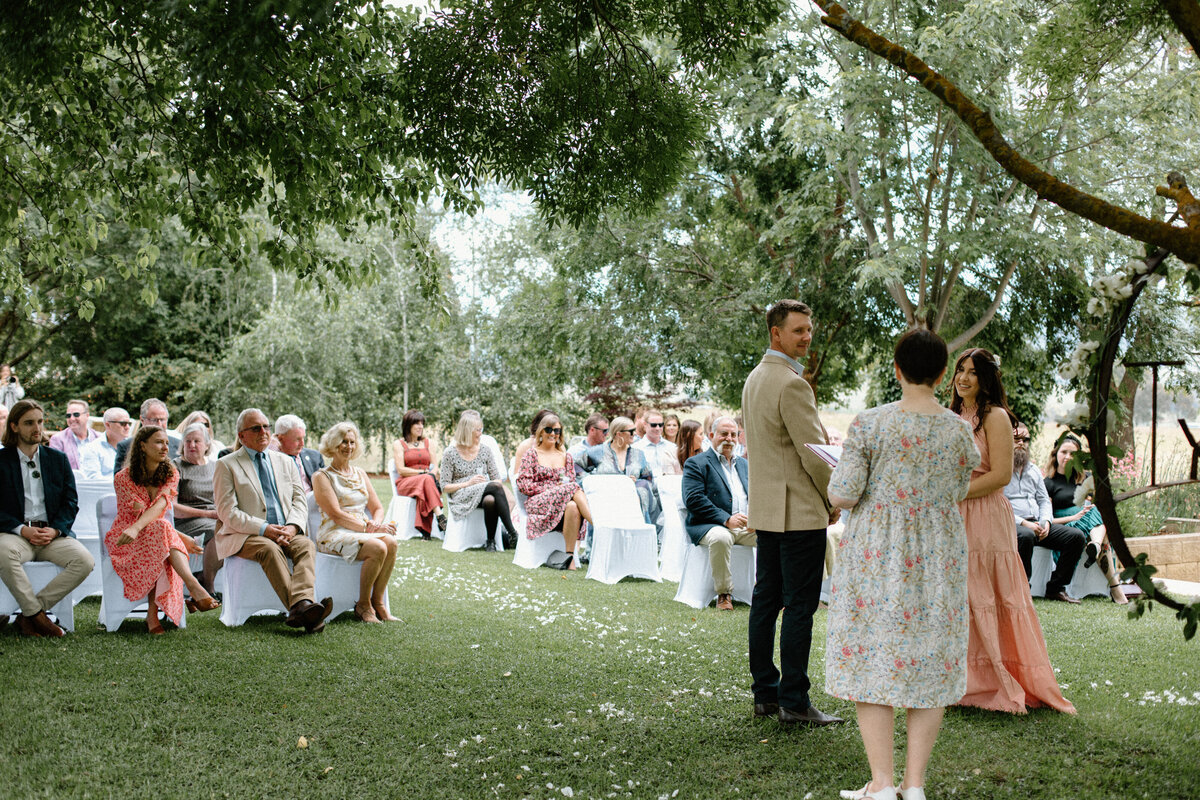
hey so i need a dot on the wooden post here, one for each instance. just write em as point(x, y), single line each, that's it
point(1153, 365)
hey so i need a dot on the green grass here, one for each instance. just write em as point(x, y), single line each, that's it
point(505, 683)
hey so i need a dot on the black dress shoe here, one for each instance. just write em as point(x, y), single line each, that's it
point(510, 541)
point(811, 716)
point(314, 615)
point(1063, 597)
point(490, 547)
point(766, 709)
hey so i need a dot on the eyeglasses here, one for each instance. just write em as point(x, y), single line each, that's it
point(255, 429)
point(124, 423)
point(74, 414)
point(655, 424)
point(160, 422)
point(555, 431)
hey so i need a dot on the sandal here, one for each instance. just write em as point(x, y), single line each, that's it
point(382, 613)
point(1118, 595)
point(195, 606)
point(153, 624)
point(365, 612)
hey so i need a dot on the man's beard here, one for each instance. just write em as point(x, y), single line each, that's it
point(1020, 461)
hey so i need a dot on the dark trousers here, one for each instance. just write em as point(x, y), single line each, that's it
point(789, 577)
point(1066, 540)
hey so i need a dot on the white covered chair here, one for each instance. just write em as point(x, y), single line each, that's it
point(87, 528)
point(623, 545)
point(1084, 583)
point(696, 588)
point(675, 542)
point(468, 533)
point(115, 608)
point(335, 577)
point(402, 510)
point(248, 593)
point(40, 573)
point(532, 553)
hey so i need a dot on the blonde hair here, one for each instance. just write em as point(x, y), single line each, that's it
point(332, 439)
point(619, 425)
point(558, 444)
point(464, 432)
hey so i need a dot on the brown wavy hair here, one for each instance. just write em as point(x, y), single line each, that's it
point(135, 459)
point(991, 390)
point(684, 449)
point(1052, 463)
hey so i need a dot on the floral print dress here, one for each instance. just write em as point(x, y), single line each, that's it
point(898, 618)
point(547, 491)
point(142, 563)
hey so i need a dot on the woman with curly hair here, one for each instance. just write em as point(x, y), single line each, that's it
point(1008, 668)
point(148, 554)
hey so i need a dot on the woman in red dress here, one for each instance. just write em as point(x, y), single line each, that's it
point(414, 466)
point(148, 553)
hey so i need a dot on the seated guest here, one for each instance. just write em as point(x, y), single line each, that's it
point(10, 388)
point(37, 509)
point(546, 476)
point(715, 492)
point(263, 511)
point(534, 424)
point(671, 428)
point(741, 439)
point(153, 412)
point(352, 523)
point(595, 431)
point(660, 454)
point(618, 457)
point(639, 423)
point(691, 441)
point(290, 433)
point(709, 419)
point(77, 433)
point(1084, 516)
point(413, 458)
point(1033, 514)
point(98, 458)
point(472, 480)
point(148, 554)
point(195, 507)
point(215, 445)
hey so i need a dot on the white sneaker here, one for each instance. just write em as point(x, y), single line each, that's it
point(913, 793)
point(886, 793)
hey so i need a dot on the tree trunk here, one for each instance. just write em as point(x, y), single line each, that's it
point(1122, 434)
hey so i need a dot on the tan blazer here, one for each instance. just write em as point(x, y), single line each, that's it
point(241, 504)
point(789, 484)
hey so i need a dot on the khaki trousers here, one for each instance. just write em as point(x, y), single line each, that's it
point(73, 557)
point(291, 586)
point(720, 541)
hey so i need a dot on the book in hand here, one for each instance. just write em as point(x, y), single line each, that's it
point(831, 454)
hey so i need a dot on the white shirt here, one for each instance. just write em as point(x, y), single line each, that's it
point(741, 503)
point(35, 491)
point(97, 459)
point(655, 453)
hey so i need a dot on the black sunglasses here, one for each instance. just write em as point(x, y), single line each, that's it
point(256, 428)
point(555, 431)
point(74, 414)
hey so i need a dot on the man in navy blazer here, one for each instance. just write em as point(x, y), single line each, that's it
point(37, 509)
point(716, 492)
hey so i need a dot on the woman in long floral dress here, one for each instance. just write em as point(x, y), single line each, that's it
point(146, 551)
point(898, 617)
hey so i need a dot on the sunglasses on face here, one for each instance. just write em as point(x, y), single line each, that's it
point(74, 414)
point(124, 423)
point(655, 424)
point(603, 431)
point(255, 429)
point(555, 431)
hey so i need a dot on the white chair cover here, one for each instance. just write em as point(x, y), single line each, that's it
point(402, 510)
point(247, 592)
point(1084, 583)
point(623, 546)
point(338, 578)
point(40, 573)
point(696, 588)
point(115, 608)
point(87, 528)
point(675, 539)
point(468, 533)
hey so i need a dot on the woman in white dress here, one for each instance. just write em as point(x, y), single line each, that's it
point(352, 523)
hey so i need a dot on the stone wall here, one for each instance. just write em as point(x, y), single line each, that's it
point(1177, 556)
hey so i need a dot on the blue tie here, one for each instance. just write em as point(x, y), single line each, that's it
point(268, 487)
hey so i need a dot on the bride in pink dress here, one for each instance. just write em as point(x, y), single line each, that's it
point(1008, 668)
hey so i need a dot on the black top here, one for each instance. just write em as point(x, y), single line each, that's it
point(1061, 491)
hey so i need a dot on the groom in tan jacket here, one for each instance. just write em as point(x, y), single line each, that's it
point(789, 507)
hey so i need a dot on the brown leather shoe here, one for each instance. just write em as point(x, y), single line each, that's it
point(315, 615)
point(26, 626)
point(766, 709)
point(296, 614)
point(811, 716)
point(1063, 597)
point(725, 602)
point(44, 626)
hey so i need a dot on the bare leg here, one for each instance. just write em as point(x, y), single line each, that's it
point(179, 563)
point(875, 723)
point(571, 530)
point(371, 552)
point(381, 581)
point(212, 563)
point(152, 623)
point(581, 501)
point(923, 725)
point(1099, 535)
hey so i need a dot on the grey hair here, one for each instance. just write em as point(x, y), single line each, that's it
point(151, 403)
point(197, 426)
point(242, 416)
point(110, 415)
point(288, 422)
point(713, 430)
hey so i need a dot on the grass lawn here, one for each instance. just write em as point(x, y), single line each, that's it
point(505, 683)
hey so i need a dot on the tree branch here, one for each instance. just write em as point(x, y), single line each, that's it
point(1186, 16)
point(1182, 242)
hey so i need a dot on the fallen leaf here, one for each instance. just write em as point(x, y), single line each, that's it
point(302, 743)
point(327, 770)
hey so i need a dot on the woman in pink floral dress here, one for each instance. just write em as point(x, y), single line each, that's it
point(148, 554)
point(898, 616)
point(546, 477)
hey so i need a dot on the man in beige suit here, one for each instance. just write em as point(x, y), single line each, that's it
point(790, 509)
point(263, 509)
